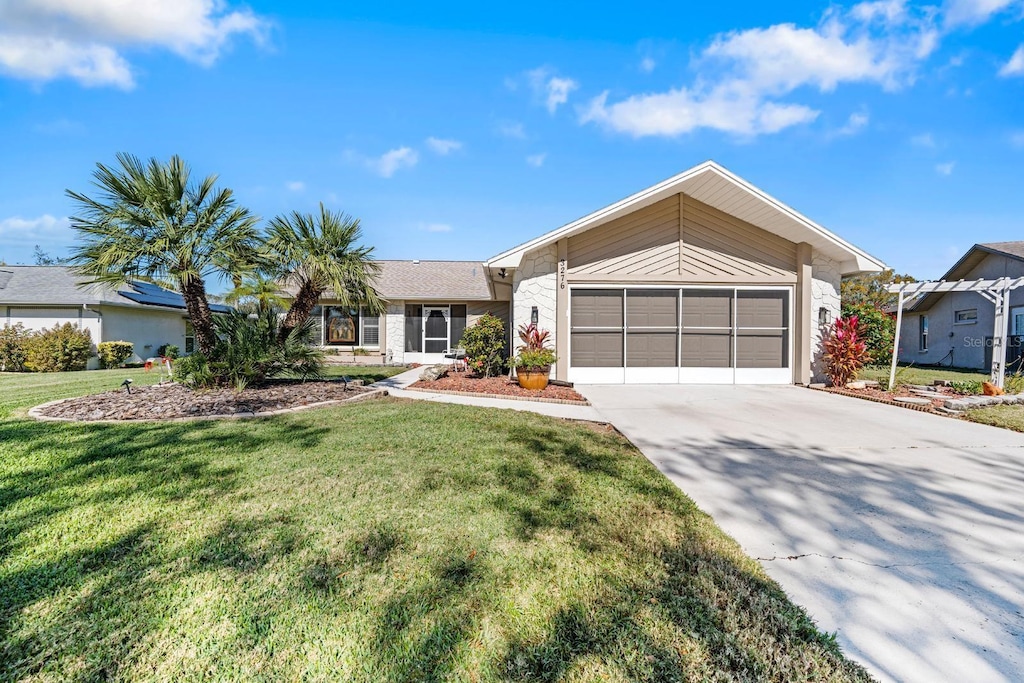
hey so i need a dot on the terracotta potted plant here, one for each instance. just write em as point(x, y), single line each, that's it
point(534, 359)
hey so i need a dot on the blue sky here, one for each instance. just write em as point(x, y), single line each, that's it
point(459, 131)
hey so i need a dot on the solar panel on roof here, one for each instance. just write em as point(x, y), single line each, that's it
point(148, 294)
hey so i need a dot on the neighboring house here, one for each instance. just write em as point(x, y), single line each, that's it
point(148, 316)
point(956, 328)
point(701, 278)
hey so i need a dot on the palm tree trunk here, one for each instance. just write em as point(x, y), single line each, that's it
point(194, 292)
point(305, 300)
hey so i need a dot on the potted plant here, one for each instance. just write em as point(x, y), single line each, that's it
point(533, 360)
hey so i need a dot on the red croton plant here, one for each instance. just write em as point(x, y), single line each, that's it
point(845, 351)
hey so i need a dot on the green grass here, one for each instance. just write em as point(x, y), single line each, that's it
point(909, 374)
point(1007, 417)
point(382, 541)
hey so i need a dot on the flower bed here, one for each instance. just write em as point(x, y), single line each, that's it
point(879, 396)
point(174, 401)
point(497, 387)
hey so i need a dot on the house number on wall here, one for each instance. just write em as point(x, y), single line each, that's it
point(561, 273)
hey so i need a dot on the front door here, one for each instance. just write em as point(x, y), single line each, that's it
point(436, 328)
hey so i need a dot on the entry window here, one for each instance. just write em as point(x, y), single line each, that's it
point(433, 328)
point(707, 335)
point(762, 334)
point(596, 336)
point(371, 330)
point(190, 337)
point(923, 335)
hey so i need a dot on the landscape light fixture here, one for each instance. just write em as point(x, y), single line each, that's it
point(127, 384)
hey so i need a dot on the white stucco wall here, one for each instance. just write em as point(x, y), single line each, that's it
point(147, 330)
point(534, 284)
point(38, 318)
point(395, 339)
point(826, 280)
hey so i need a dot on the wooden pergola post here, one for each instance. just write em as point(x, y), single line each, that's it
point(896, 340)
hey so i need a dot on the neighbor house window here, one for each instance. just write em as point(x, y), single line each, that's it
point(966, 317)
point(190, 337)
point(924, 333)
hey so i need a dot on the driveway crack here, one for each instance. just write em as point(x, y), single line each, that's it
point(895, 565)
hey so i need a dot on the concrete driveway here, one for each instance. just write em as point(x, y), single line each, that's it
point(902, 531)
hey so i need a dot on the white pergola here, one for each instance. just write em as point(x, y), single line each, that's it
point(996, 291)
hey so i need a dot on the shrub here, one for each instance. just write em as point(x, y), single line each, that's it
point(248, 353)
point(1014, 383)
point(968, 387)
point(845, 351)
point(534, 359)
point(13, 348)
point(535, 354)
point(484, 342)
point(60, 349)
point(168, 351)
point(113, 353)
point(876, 330)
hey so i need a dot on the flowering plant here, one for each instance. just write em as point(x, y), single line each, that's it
point(845, 351)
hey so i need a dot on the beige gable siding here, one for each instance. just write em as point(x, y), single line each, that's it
point(645, 242)
point(682, 239)
point(717, 245)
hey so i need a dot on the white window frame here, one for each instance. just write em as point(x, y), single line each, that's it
point(922, 334)
point(957, 320)
point(363, 318)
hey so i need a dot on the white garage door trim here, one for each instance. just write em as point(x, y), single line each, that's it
point(682, 375)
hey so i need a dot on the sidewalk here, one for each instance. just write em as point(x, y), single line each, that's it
point(396, 386)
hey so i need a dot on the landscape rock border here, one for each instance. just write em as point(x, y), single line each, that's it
point(37, 414)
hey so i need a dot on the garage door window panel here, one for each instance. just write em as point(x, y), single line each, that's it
point(652, 328)
point(597, 331)
point(707, 334)
point(762, 319)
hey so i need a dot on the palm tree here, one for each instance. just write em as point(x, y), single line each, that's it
point(149, 221)
point(314, 254)
point(258, 292)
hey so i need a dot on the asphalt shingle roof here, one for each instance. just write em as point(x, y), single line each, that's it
point(433, 280)
point(58, 285)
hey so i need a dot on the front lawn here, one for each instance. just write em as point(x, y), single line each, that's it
point(389, 540)
point(1007, 417)
point(909, 374)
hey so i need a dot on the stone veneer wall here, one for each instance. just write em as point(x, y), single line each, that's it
point(534, 284)
point(825, 288)
point(395, 321)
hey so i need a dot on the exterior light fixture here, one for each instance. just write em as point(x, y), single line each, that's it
point(824, 316)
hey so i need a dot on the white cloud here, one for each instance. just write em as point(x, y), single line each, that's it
point(442, 146)
point(923, 140)
point(946, 168)
point(552, 90)
point(972, 12)
point(295, 186)
point(745, 75)
point(647, 64)
point(512, 129)
point(45, 230)
point(393, 160)
point(84, 41)
point(857, 122)
point(436, 227)
point(537, 160)
point(1014, 67)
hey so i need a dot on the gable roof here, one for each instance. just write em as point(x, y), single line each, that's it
point(716, 186)
point(968, 262)
point(60, 286)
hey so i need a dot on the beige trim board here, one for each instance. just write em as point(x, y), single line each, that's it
point(680, 279)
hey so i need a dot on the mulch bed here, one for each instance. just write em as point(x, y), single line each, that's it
point(466, 383)
point(174, 401)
